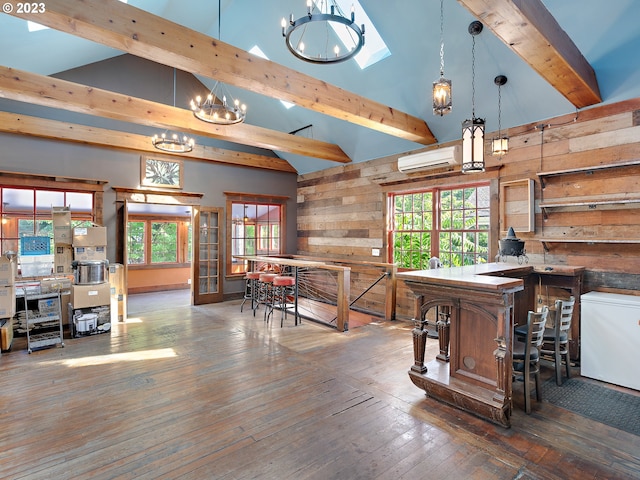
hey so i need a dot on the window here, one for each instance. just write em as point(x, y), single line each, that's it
point(158, 242)
point(449, 223)
point(164, 242)
point(136, 243)
point(26, 212)
point(255, 227)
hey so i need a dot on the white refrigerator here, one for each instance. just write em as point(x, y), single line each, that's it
point(610, 338)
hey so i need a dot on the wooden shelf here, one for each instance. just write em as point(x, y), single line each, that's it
point(588, 241)
point(587, 170)
point(617, 203)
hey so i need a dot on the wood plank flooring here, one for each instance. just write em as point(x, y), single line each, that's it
point(207, 392)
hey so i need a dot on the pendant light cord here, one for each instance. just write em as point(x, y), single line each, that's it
point(473, 78)
point(441, 38)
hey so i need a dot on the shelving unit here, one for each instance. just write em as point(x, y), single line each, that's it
point(47, 327)
point(586, 170)
point(596, 201)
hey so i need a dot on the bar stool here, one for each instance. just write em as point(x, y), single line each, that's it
point(265, 288)
point(283, 286)
point(251, 290)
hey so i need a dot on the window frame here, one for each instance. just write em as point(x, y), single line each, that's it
point(182, 241)
point(436, 227)
point(238, 268)
point(10, 242)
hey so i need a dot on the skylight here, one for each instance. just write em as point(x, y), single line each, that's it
point(374, 48)
point(259, 53)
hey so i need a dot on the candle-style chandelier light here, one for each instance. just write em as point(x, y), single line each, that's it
point(310, 37)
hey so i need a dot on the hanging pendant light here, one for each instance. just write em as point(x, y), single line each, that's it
point(500, 144)
point(473, 129)
point(173, 142)
point(316, 25)
point(442, 87)
point(214, 107)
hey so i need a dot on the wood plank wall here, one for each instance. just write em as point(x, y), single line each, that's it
point(341, 211)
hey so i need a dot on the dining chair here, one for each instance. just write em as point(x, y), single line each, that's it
point(526, 354)
point(556, 338)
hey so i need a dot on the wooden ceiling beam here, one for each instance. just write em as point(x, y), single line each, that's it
point(54, 92)
point(54, 129)
point(131, 30)
point(527, 28)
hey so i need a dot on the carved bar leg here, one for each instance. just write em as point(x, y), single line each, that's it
point(500, 356)
point(444, 325)
point(419, 345)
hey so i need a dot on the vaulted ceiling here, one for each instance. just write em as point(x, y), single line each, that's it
point(558, 55)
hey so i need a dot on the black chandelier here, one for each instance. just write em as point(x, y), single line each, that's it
point(173, 142)
point(314, 28)
point(214, 107)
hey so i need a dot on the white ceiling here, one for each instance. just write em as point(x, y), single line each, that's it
point(606, 32)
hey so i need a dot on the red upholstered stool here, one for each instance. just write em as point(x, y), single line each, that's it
point(251, 290)
point(265, 288)
point(283, 287)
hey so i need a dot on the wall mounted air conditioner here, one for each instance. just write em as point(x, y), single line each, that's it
point(439, 157)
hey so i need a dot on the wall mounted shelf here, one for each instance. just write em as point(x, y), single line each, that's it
point(611, 204)
point(587, 241)
point(586, 170)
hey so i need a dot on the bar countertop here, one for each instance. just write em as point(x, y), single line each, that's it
point(487, 276)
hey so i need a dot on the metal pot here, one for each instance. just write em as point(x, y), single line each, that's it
point(86, 323)
point(510, 245)
point(91, 272)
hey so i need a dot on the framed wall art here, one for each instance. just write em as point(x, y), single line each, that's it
point(155, 172)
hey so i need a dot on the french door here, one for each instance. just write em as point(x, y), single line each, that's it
point(207, 279)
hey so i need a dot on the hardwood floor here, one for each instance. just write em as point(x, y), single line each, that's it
point(209, 393)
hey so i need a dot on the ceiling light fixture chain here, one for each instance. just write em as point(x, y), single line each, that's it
point(214, 108)
point(173, 143)
point(441, 93)
point(316, 23)
point(473, 129)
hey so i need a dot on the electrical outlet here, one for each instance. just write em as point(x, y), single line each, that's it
point(375, 252)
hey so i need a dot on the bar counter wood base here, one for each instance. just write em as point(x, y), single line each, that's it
point(481, 401)
point(480, 299)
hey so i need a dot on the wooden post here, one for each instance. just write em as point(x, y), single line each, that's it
point(344, 295)
point(390, 296)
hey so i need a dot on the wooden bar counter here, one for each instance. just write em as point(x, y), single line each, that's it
point(480, 301)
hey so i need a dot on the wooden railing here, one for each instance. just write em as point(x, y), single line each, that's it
point(338, 283)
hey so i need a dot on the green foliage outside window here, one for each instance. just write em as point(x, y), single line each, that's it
point(135, 243)
point(164, 242)
point(461, 235)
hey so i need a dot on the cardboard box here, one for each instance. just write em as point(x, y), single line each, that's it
point(7, 301)
point(8, 271)
point(86, 296)
point(62, 233)
point(116, 279)
point(118, 308)
point(56, 284)
point(36, 265)
point(89, 236)
point(49, 307)
point(83, 254)
point(6, 334)
point(63, 256)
